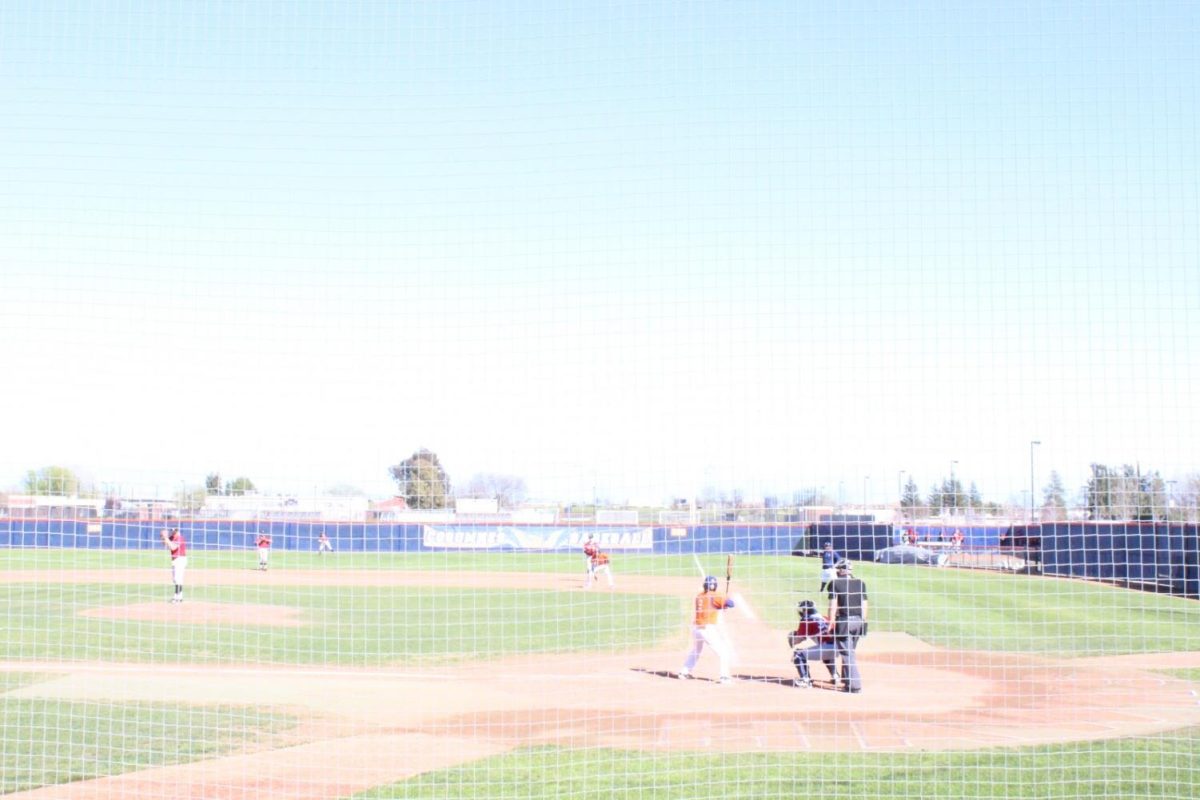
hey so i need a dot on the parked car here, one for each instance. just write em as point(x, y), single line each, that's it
point(910, 554)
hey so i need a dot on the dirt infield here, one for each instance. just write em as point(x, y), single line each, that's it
point(365, 727)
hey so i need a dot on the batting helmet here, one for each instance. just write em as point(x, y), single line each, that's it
point(710, 583)
point(806, 608)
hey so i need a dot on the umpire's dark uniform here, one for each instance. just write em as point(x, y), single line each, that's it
point(848, 613)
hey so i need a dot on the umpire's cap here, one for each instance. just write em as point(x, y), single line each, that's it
point(844, 566)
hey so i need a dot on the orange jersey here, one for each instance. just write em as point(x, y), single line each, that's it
point(707, 604)
point(600, 559)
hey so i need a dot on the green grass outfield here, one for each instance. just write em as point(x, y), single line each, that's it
point(958, 609)
point(54, 742)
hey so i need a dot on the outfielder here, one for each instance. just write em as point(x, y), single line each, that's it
point(705, 630)
point(324, 545)
point(177, 547)
point(812, 638)
point(829, 559)
point(263, 543)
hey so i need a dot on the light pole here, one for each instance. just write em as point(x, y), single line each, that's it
point(953, 491)
point(866, 480)
point(1167, 500)
point(1032, 490)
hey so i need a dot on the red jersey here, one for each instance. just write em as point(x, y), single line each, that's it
point(263, 540)
point(815, 628)
point(590, 549)
point(181, 545)
point(706, 606)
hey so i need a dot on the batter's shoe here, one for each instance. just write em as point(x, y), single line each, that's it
point(802, 683)
point(684, 675)
point(724, 681)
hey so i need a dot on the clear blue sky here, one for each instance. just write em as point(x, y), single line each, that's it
point(635, 248)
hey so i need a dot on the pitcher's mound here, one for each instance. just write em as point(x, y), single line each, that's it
point(201, 613)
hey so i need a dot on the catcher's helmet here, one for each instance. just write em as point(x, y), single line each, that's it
point(806, 608)
point(710, 583)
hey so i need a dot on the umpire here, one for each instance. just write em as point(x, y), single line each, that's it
point(848, 613)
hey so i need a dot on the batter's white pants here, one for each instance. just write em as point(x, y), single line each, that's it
point(712, 636)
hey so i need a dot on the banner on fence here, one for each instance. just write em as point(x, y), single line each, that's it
point(511, 537)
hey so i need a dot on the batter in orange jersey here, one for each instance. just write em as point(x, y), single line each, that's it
point(705, 630)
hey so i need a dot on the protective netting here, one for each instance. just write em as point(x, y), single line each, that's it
point(462, 399)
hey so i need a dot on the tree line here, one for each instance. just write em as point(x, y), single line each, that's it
point(1111, 493)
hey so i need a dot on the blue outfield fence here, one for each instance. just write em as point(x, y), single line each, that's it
point(403, 537)
point(1164, 556)
point(1159, 555)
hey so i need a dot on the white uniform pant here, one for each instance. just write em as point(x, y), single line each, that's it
point(178, 567)
point(712, 636)
point(264, 553)
point(594, 574)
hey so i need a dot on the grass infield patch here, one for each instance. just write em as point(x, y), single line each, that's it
point(343, 625)
point(50, 742)
point(1152, 767)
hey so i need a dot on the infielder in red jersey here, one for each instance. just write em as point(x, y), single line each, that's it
point(177, 547)
point(263, 543)
point(705, 630)
point(590, 550)
point(600, 563)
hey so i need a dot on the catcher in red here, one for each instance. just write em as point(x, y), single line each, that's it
point(813, 638)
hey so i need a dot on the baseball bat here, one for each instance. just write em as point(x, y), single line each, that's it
point(728, 572)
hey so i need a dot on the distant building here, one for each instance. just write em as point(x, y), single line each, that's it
point(36, 506)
